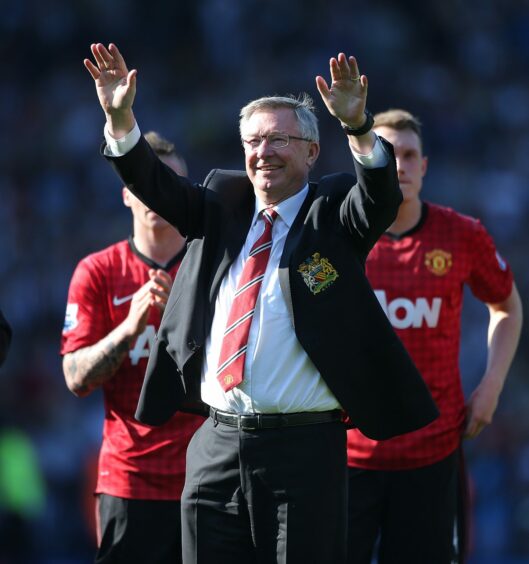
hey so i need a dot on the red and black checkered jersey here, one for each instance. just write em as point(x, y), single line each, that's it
point(419, 280)
point(135, 461)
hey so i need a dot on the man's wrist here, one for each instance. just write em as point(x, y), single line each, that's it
point(362, 129)
point(120, 147)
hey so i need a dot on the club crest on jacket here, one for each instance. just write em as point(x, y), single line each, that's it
point(317, 273)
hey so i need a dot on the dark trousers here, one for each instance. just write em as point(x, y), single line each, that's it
point(411, 511)
point(135, 531)
point(266, 496)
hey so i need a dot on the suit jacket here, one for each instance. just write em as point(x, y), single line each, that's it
point(335, 314)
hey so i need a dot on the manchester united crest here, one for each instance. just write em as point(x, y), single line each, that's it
point(438, 262)
point(317, 273)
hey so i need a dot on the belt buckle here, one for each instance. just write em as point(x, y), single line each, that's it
point(243, 422)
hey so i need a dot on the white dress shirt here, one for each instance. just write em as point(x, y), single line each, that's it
point(279, 377)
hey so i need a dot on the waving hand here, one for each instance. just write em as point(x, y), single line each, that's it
point(115, 85)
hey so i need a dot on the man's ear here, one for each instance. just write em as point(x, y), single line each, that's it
point(125, 194)
point(314, 151)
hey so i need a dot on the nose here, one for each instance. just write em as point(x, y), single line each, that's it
point(263, 148)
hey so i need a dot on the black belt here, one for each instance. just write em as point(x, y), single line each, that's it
point(253, 421)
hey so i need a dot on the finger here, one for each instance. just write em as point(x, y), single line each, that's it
point(159, 293)
point(353, 68)
point(323, 88)
point(156, 278)
point(96, 52)
point(131, 79)
point(160, 277)
point(335, 70)
point(119, 61)
point(92, 69)
point(160, 306)
point(143, 291)
point(108, 60)
point(343, 66)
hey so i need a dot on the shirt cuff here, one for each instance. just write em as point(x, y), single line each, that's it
point(121, 146)
point(377, 158)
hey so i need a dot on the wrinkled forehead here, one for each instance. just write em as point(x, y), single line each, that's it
point(265, 121)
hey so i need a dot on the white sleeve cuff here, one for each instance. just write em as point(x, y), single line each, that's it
point(121, 146)
point(377, 158)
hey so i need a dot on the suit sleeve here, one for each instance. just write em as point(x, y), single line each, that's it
point(172, 197)
point(372, 204)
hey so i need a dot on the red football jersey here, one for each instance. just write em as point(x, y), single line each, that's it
point(418, 279)
point(136, 461)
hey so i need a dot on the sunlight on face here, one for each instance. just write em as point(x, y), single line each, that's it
point(277, 173)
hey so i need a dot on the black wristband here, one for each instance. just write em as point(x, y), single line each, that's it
point(356, 131)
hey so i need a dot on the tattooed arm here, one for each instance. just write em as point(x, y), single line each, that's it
point(89, 367)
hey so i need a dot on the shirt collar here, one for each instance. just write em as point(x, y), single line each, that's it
point(287, 209)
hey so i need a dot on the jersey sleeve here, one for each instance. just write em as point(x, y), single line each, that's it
point(490, 278)
point(85, 319)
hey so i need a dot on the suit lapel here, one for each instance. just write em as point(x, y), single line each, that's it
point(237, 230)
point(290, 244)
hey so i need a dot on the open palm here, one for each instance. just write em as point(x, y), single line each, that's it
point(115, 85)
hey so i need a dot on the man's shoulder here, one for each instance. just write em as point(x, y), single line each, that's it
point(449, 215)
point(107, 256)
point(219, 178)
point(335, 182)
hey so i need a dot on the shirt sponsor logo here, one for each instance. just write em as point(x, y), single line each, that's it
point(119, 301)
point(403, 313)
point(438, 262)
point(70, 319)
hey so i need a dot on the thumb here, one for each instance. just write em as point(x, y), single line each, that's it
point(131, 79)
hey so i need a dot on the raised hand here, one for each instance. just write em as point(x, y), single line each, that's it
point(115, 85)
point(346, 97)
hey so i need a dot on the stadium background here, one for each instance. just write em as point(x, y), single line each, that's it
point(461, 65)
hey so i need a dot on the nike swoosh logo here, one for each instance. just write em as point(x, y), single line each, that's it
point(118, 301)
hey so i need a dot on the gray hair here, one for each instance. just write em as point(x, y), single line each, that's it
point(302, 105)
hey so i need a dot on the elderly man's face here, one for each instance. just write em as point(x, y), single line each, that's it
point(276, 173)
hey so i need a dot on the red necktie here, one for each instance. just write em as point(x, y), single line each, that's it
point(235, 340)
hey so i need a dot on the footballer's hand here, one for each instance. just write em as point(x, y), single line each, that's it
point(162, 283)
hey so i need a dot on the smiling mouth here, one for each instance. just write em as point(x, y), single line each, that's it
point(268, 168)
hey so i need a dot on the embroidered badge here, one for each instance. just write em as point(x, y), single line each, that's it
point(438, 262)
point(317, 273)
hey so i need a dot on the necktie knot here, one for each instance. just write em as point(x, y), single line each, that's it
point(269, 215)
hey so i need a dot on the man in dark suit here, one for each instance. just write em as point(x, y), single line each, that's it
point(271, 321)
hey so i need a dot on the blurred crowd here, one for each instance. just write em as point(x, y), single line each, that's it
point(458, 64)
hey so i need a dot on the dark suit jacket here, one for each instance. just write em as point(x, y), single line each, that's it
point(342, 327)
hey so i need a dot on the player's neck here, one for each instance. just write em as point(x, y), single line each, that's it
point(408, 217)
point(160, 246)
